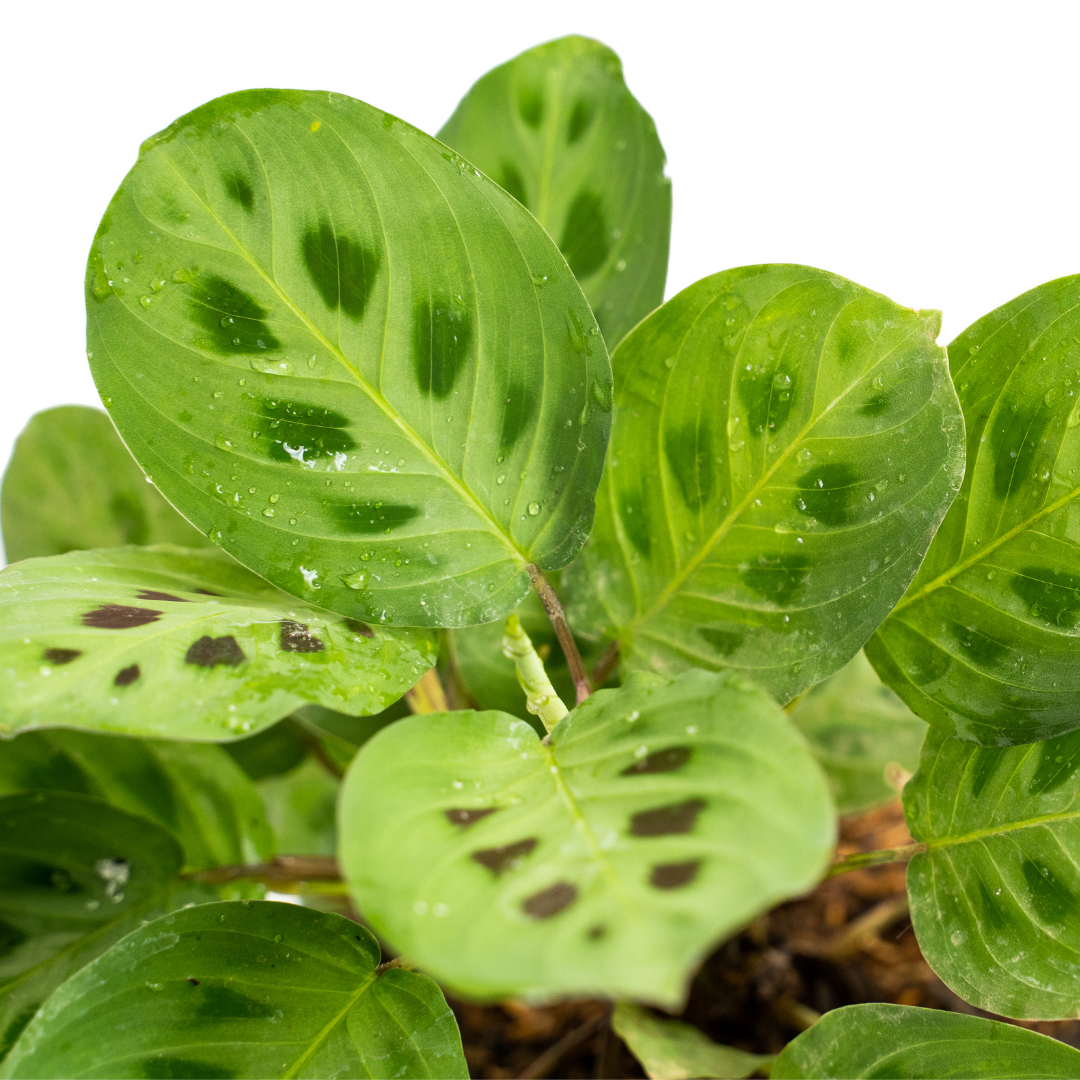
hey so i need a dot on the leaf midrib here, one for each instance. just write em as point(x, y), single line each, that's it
point(1001, 830)
point(326, 1031)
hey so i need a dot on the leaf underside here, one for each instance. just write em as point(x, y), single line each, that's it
point(380, 390)
point(785, 445)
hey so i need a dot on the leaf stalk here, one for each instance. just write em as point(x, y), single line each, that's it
point(859, 860)
point(554, 609)
point(540, 697)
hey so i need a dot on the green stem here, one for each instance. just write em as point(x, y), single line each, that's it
point(862, 859)
point(540, 697)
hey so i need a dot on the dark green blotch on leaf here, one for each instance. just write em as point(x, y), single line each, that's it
point(240, 191)
point(531, 106)
point(511, 181)
point(725, 642)
point(829, 494)
point(342, 269)
point(442, 335)
point(519, 405)
point(689, 451)
point(218, 1001)
point(232, 320)
point(1051, 898)
point(1060, 758)
point(175, 1068)
point(585, 241)
point(374, 517)
point(299, 431)
point(776, 577)
point(580, 119)
point(1052, 596)
point(635, 521)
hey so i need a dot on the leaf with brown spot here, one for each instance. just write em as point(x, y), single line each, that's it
point(119, 617)
point(507, 857)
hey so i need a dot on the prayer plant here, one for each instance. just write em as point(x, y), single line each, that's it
point(405, 415)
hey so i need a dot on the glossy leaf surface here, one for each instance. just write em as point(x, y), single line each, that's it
point(195, 791)
point(180, 643)
point(662, 816)
point(349, 358)
point(76, 874)
point(671, 1050)
point(248, 989)
point(880, 1040)
point(994, 900)
point(71, 484)
point(860, 732)
point(559, 130)
point(785, 445)
point(984, 644)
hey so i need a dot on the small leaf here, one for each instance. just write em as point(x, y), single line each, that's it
point(994, 899)
point(670, 1050)
point(984, 643)
point(71, 484)
point(300, 806)
point(785, 445)
point(900, 1040)
point(557, 127)
point(247, 989)
point(184, 644)
point(354, 386)
point(661, 817)
point(859, 730)
point(194, 791)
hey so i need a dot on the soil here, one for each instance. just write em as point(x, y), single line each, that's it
point(848, 941)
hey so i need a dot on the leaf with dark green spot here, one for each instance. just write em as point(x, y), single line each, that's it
point(859, 730)
point(243, 989)
point(994, 899)
point(671, 1050)
point(71, 484)
point(984, 643)
point(76, 875)
point(355, 386)
point(557, 127)
point(879, 1040)
point(184, 644)
point(194, 790)
point(755, 513)
point(661, 817)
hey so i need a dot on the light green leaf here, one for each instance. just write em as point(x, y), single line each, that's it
point(247, 989)
point(186, 644)
point(670, 1050)
point(661, 817)
point(785, 445)
point(994, 899)
point(557, 127)
point(880, 1040)
point(300, 806)
point(76, 874)
point(349, 358)
point(72, 484)
point(196, 791)
point(984, 644)
point(859, 730)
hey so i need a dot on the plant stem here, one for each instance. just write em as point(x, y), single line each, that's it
point(280, 870)
point(427, 696)
point(554, 610)
point(861, 859)
point(604, 666)
point(540, 697)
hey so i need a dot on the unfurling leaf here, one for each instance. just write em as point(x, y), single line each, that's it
point(380, 389)
point(785, 445)
point(71, 484)
point(994, 899)
point(659, 818)
point(182, 644)
point(247, 989)
point(559, 130)
point(880, 1040)
point(985, 643)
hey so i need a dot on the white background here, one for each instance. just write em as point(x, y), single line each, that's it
point(928, 151)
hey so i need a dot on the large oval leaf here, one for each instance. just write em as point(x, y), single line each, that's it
point(994, 899)
point(248, 989)
point(185, 644)
point(350, 358)
point(985, 643)
point(879, 1040)
point(557, 127)
point(194, 790)
point(661, 817)
point(71, 483)
point(785, 445)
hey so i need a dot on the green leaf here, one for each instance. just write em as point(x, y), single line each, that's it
point(994, 899)
point(670, 1050)
point(194, 790)
point(859, 731)
point(879, 1040)
point(785, 445)
point(395, 454)
point(72, 484)
point(270, 752)
point(301, 807)
point(76, 874)
point(984, 644)
point(116, 640)
point(557, 127)
point(247, 989)
point(660, 818)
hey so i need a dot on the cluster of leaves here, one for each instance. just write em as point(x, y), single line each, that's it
point(371, 370)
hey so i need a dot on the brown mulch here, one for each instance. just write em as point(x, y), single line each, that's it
point(848, 941)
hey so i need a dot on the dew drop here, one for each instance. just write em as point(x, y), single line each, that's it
point(534, 508)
